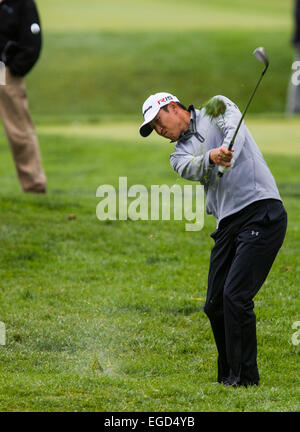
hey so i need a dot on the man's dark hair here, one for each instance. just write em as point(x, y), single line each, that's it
point(177, 103)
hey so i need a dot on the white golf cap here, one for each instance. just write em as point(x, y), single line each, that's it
point(151, 107)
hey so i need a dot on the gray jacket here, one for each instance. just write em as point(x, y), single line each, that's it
point(247, 181)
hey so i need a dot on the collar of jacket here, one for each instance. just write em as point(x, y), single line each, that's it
point(192, 130)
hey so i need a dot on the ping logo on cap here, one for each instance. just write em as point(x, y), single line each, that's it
point(165, 99)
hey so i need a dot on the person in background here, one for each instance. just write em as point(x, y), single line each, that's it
point(20, 46)
point(293, 104)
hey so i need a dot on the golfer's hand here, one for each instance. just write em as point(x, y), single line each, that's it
point(221, 156)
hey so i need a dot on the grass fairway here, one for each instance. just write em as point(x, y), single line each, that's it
point(105, 57)
point(108, 316)
point(138, 15)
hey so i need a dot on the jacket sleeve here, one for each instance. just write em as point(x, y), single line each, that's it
point(24, 52)
point(228, 123)
point(192, 167)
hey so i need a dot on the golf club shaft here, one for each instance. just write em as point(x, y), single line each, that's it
point(220, 173)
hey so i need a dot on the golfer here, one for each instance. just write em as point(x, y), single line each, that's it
point(20, 45)
point(251, 219)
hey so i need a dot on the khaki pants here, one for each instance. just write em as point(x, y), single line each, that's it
point(21, 135)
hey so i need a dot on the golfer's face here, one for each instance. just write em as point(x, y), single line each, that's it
point(167, 124)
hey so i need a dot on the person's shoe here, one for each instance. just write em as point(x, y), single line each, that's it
point(237, 383)
point(37, 190)
point(228, 382)
point(247, 383)
point(223, 380)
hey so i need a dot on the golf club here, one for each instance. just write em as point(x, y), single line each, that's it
point(261, 55)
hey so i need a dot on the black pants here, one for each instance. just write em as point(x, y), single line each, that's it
point(246, 245)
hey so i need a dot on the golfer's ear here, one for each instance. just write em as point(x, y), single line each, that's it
point(173, 106)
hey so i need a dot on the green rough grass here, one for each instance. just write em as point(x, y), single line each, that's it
point(108, 316)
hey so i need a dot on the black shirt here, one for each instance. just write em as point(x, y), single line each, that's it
point(296, 39)
point(20, 41)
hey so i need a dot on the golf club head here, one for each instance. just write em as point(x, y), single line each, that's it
point(262, 56)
